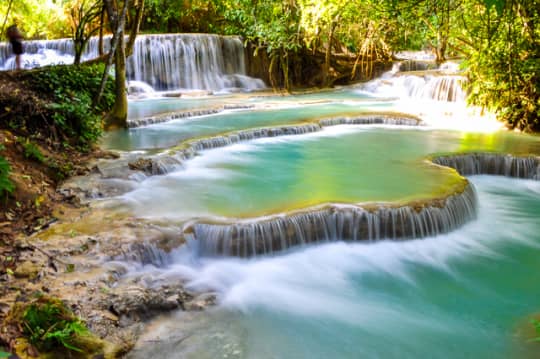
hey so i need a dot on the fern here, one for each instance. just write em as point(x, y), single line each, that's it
point(6, 186)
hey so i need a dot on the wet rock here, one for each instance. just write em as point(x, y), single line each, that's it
point(145, 165)
point(200, 302)
point(136, 302)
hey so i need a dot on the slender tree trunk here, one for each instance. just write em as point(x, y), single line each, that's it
point(101, 27)
point(117, 118)
point(135, 27)
point(117, 22)
point(328, 55)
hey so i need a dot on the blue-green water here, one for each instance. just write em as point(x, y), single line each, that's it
point(461, 295)
point(342, 164)
point(169, 134)
point(466, 294)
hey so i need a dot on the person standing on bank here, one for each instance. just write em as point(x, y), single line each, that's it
point(15, 38)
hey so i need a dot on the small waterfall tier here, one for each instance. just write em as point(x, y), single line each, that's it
point(170, 161)
point(419, 80)
point(527, 167)
point(434, 87)
point(166, 62)
point(371, 222)
point(363, 222)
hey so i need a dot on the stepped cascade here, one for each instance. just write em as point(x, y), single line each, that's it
point(168, 162)
point(166, 62)
point(369, 222)
point(527, 167)
point(336, 222)
point(420, 80)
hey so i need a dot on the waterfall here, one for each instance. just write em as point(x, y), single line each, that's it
point(166, 62)
point(145, 253)
point(440, 87)
point(367, 222)
point(493, 164)
point(172, 160)
point(417, 80)
point(190, 61)
point(335, 222)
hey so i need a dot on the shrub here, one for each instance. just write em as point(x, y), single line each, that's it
point(6, 186)
point(32, 151)
point(72, 89)
point(50, 326)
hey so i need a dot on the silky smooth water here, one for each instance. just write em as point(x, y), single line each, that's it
point(168, 134)
point(461, 295)
point(341, 164)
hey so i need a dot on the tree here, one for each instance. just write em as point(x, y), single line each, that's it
point(83, 24)
point(118, 53)
point(502, 39)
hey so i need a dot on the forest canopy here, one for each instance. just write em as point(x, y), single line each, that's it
point(498, 41)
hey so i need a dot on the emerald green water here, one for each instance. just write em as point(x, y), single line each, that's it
point(169, 134)
point(466, 294)
point(462, 295)
point(342, 164)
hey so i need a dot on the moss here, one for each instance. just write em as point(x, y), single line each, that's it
point(46, 326)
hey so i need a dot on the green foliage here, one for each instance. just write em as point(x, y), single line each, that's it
point(536, 325)
point(50, 326)
point(72, 89)
point(62, 169)
point(32, 151)
point(6, 186)
point(37, 18)
point(503, 65)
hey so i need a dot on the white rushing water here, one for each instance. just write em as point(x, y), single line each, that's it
point(444, 297)
point(165, 62)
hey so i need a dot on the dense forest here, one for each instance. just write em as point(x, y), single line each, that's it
point(498, 40)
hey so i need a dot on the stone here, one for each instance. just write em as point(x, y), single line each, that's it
point(27, 269)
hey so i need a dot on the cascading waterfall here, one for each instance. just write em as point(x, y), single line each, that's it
point(168, 162)
point(435, 87)
point(166, 62)
point(492, 164)
point(335, 222)
point(420, 82)
point(191, 61)
point(369, 222)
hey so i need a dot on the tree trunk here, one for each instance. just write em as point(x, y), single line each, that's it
point(117, 118)
point(101, 26)
point(135, 27)
point(328, 55)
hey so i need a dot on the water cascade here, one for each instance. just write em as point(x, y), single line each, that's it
point(415, 80)
point(166, 62)
point(434, 87)
point(369, 222)
point(527, 167)
point(167, 162)
point(336, 222)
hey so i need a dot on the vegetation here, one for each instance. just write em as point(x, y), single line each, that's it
point(70, 90)
point(536, 324)
point(503, 62)
point(49, 326)
point(303, 42)
point(6, 186)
